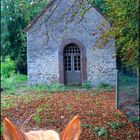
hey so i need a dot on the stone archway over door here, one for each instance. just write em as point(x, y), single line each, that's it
point(72, 65)
point(83, 60)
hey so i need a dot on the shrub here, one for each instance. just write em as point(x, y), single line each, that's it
point(7, 67)
point(103, 86)
point(108, 87)
point(87, 85)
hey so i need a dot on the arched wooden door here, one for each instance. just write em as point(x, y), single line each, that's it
point(72, 65)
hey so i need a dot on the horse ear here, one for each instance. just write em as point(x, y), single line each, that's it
point(10, 131)
point(72, 130)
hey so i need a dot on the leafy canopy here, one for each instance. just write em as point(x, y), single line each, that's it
point(15, 16)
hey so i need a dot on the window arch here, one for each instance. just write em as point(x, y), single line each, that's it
point(82, 50)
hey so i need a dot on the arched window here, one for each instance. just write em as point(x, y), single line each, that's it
point(72, 65)
point(72, 62)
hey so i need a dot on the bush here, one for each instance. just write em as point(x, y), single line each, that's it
point(7, 67)
point(103, 86)
point(86, 85)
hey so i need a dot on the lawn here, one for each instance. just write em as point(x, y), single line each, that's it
point(99, 118)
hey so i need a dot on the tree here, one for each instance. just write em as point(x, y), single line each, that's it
point(124, 18)
point(15, 16)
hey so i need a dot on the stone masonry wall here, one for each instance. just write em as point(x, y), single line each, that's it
point(44, 39)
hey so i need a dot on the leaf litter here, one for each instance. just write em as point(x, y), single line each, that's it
point(44, 110)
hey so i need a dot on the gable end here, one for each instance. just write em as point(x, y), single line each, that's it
point(49, 5)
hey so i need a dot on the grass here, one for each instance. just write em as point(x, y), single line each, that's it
point(18, 82)
point(7, 102)
point(11, 84)
point(36, 87)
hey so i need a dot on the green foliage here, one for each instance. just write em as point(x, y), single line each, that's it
point(100, 131)
point(37, 87)
point(134, 119)
point(36, 118)
point(114, 125)
point(124, 19)
point(13, 83)
point(18, 82)
point(15, 16)
point(100, 4)
point(7, 67)
point(103, 86)
point(6, 103)
point(86, 85)
point(117, 115)
point(1, 130)
point(56, 87)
